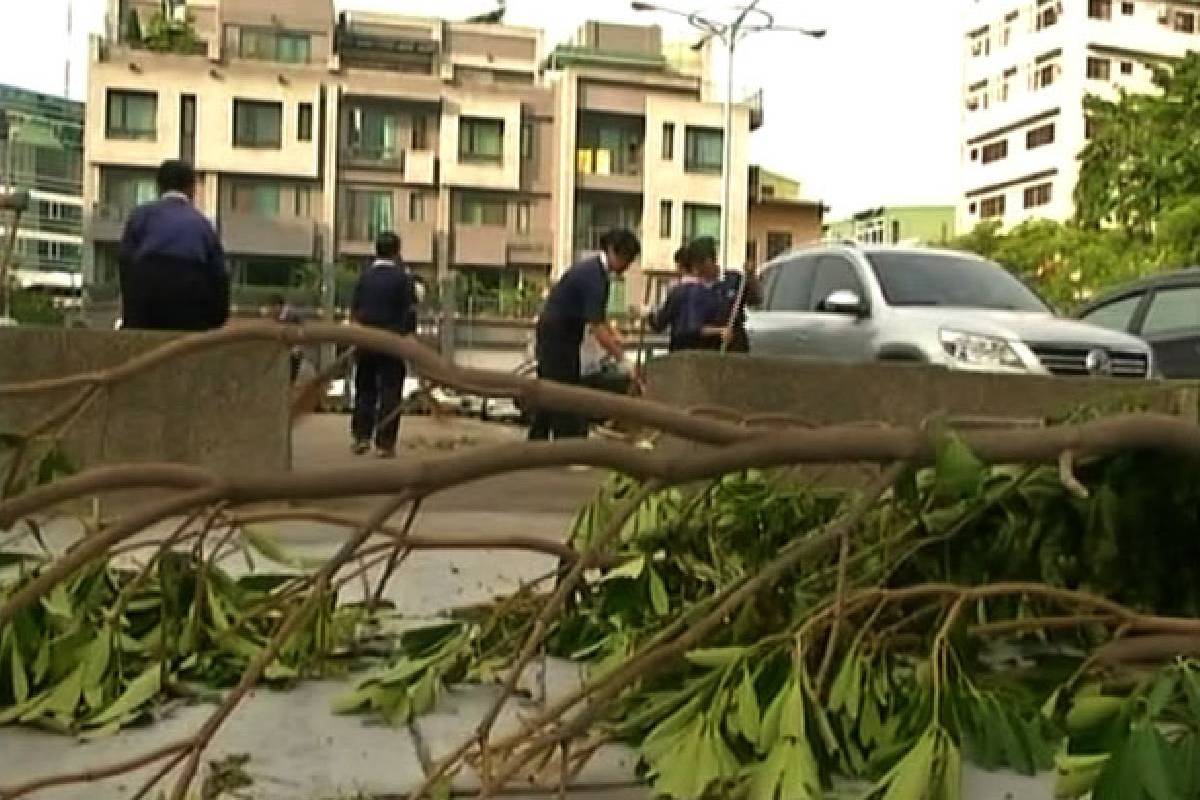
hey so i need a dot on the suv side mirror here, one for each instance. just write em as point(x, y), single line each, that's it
point(844, 301)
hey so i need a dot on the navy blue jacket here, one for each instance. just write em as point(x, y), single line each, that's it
point(689, 307)
point(172, 269)
point(383, 298)
point(579, 299)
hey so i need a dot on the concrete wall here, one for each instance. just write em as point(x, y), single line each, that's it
point(225, 409)
point(827, 394)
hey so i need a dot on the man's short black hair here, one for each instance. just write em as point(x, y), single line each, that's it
point(387, 245)
point(703, 249)
point(176, 176)
point(683, 256)
point(623, 242)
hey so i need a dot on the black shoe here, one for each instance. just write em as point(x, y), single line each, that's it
point(385, 452)
point(360, 447)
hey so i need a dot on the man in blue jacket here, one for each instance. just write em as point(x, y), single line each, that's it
point(383, 299)
point(578, 304)
point(172, 267)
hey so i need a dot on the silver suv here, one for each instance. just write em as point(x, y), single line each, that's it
point(866, 303)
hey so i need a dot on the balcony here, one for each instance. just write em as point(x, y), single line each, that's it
point(481, 245)
point(364, 157)
point(255, 234)
point(106, 223)
point(530, 248)
point(602, 170)
point(416, 240)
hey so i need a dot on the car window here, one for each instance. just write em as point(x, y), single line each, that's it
point(834, 274)
point(1173, 310)
point(1116, 315)
point(951, 280)
point(793, 285)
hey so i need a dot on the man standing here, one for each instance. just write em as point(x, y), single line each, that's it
point(578, 304)
point(383, 299)
point(172, 267)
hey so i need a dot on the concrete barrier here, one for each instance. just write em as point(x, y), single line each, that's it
point(897, 394)
point(226, 409)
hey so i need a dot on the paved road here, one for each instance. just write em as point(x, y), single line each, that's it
point(322, 441)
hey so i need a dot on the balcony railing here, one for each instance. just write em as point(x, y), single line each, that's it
point(363, 155)
point(604, 162)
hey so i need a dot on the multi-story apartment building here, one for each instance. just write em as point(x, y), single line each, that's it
point(909, 225)
point(1028, 67)
point(41, 151)
point(313, 131)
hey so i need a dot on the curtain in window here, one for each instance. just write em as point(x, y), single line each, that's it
point(708, 149)
point(265, 201)
point(381, 215)
point(294, 49)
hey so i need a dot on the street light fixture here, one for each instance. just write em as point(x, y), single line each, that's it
point(745, 21)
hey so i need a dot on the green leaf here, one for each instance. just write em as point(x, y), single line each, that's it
point(20, 680)
point(909, 779)
point(263, 542)
point(1149, 753)
point(660, 601)
point(631, 569)
point(140, 691)
point(748, 715)
point(791, 722)
point(716, 656)
point(959, 473)
point(95, 660)
point(62, 700)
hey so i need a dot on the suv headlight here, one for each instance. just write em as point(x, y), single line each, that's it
point(980, 352)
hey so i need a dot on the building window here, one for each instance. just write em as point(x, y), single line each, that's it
point(701, 220)
point(778, 243)
point(1185, 22)
point(304, 122)
point(526, 140)
point(895, 231)
point(668, 143)
point(124, 190)
point(1100, 9)
point(371, 213)
point(480, 139)
point(256, 198)
point(1099, 69)
point(1044, 75)
point(132, 115)
point(1038, 195)
point(302, 205)
point(1047, 14)
point(481, 210)
point(974, 153)
point(372, 134)
point(972, 208)
point(665, 211)
point(1127, 9)
point(420, 132)
point(703, 149)
point(981, 44)
point(416, 207)
point(995, 151)
point(1126, 67)
point(992, 207)
point(1089, 128)
point(523, 214)
point(1040, 136)
point(257, 124)
point(266, 44)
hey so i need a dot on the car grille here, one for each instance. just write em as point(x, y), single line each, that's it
point(1072, 360)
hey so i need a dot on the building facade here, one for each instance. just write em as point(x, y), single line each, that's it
point(904, 225)
point(1027, 70)
point(41, 151)
point(312, 132)
point(779, 219)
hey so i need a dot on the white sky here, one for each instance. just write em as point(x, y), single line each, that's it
point(867, 116)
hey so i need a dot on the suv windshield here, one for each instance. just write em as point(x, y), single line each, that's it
point(945, 279)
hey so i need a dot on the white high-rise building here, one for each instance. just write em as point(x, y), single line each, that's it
point(1027, 68)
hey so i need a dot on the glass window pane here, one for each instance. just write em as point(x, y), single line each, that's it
point(1115, 316)
point(381, 213)
point(1173, 310)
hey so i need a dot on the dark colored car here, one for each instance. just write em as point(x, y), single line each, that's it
point(1165, 311)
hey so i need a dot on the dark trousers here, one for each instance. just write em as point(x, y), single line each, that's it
point(378, 380)
point(558, 360)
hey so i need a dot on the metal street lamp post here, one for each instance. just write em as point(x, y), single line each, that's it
point(745, 21)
